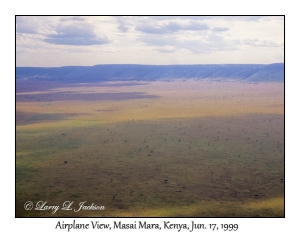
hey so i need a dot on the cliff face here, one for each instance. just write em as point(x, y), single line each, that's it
point(100, 73)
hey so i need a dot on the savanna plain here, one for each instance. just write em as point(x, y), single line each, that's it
point(180, 148)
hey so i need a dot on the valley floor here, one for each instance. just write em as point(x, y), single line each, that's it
point(183, 148)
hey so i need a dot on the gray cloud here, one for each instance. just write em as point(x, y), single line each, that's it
point(229, 18)
point(155, 24)
point(76, 34)
point(26, 25)
point(122, 24)
point(206, 44)
point(155, 40)
point(123, 28)
point(73, 18)
point(171, 27)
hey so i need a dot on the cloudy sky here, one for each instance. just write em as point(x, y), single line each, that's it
point(90, 40)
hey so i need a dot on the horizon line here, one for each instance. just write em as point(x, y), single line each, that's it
point(148, 65)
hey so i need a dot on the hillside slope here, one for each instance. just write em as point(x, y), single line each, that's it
point(100, 73)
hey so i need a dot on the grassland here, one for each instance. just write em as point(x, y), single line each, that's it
point(182, 148)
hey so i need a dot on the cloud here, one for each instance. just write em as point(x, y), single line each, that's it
point(261, 43)
point(237, 18)
point(167, 24)
point(211, 43)
point(166, 49)
point(26, 25)
point(171, 27)
point(155, 40)
point(122, 25)
point(140, 39)
point(220, 29)
point(74, 18)
point(199, 18)
point(75, 34)
point(206, 44)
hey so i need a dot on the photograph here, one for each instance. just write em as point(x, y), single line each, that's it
point(149, 116)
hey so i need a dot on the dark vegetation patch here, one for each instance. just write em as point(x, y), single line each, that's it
point(24, 118)
point(40, 85)
point(65, 96)
point(37, 85)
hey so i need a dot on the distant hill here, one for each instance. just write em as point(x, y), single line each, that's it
point(100, 73)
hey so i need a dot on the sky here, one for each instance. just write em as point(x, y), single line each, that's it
point(53, 41)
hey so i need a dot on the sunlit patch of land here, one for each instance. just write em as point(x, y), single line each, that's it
point(182, 148)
